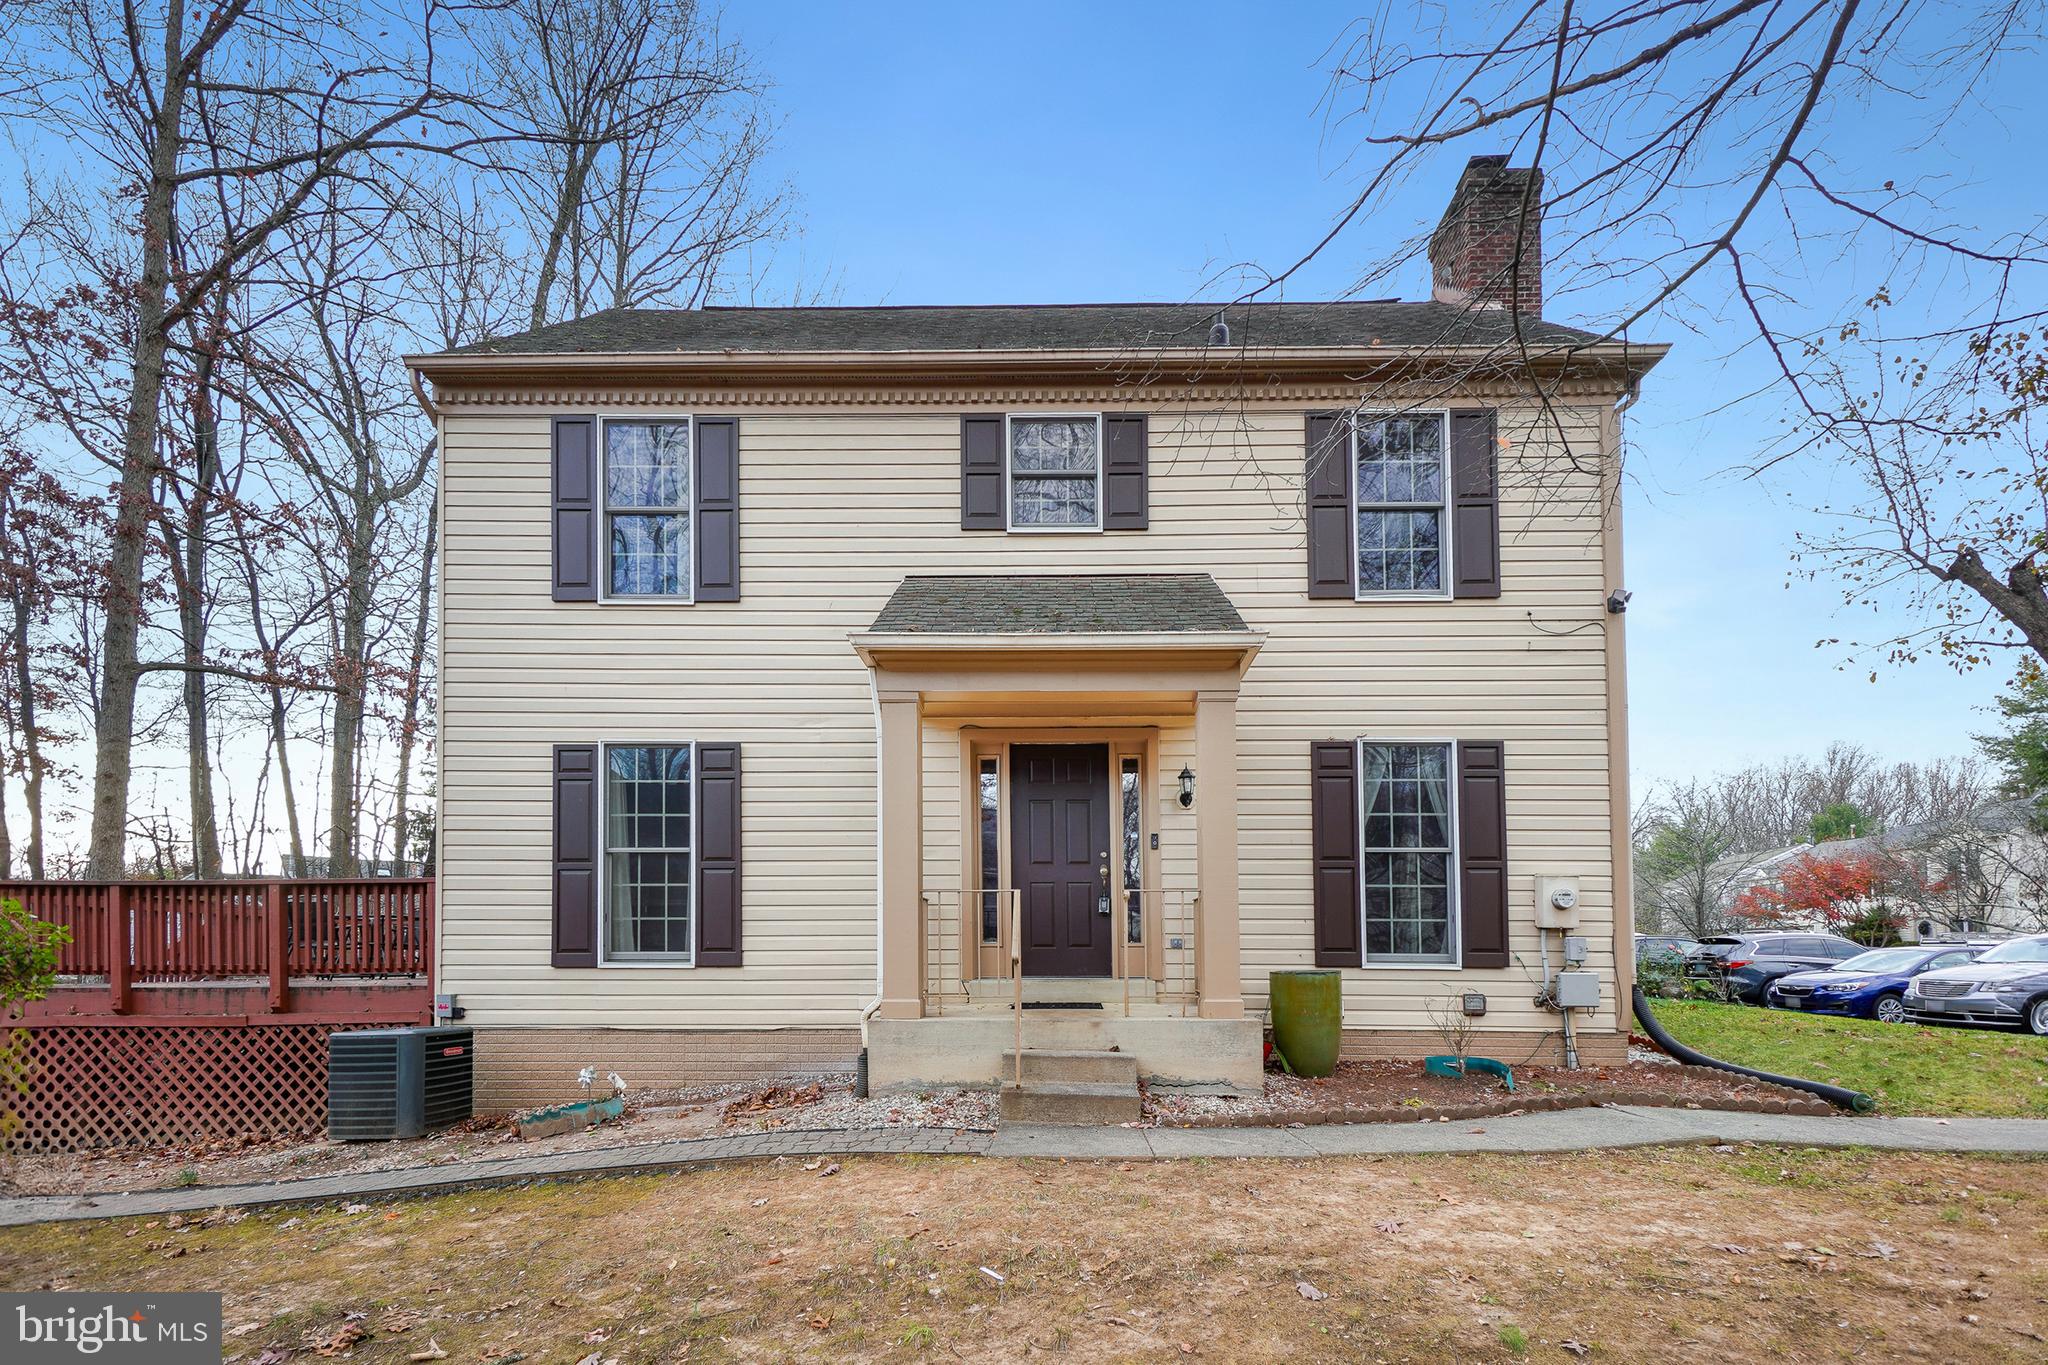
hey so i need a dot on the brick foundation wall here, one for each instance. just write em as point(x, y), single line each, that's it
point(526, 1068)
point(1519, 1047)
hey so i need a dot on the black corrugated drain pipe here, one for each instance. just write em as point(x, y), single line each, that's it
point(1855, 1101)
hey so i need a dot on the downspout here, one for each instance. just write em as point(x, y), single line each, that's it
point(868, 1010)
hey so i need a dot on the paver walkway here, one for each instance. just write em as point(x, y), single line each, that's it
point(1567, 1130)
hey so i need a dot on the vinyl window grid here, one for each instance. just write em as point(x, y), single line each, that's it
point(1442, 507)
point(1453, 947)
point(687, 510)
point(606, 957)
point(1010, 473)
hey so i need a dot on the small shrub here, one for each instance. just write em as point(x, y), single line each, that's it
point(187, 1177)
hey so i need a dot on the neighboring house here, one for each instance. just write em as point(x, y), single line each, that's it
point(792, 658)
point(1984, 872)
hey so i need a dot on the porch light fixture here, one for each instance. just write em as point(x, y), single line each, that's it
point(1187, 787)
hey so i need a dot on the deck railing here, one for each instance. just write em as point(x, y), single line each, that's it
point(213, 931)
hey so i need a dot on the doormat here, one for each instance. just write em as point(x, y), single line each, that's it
point(1062, 1004)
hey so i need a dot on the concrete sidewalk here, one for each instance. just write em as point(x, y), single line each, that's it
point(1569, 1130)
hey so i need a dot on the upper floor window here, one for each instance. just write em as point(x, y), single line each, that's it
point(1054, 473)
point(1400, 474)
point(647, 507)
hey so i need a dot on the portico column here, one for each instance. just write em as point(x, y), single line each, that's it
point(1217, 975)
point(902, 946)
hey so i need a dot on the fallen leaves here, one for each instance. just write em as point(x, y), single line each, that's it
point(773, 1098)
point(341, 1339)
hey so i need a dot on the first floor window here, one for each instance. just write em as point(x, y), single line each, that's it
point(648, 851)
point(1055, 473)
point(1409, 853)
point(1398, 495)
point(647, 500)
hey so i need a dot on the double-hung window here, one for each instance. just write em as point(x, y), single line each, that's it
point(1053, 473)
point(1400, 471)
point(647, 500)
point(1410, 852)
point(649, 852)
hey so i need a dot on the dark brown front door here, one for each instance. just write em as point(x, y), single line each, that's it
point(1059, 842)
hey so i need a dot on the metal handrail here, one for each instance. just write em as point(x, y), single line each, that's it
point(1017, 985)
point(1184, 930)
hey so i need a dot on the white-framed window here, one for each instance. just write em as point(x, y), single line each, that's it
point(650, 853)
point(1408, 870)
point(1052, 471)
point(1401, 523)
point(648, 502)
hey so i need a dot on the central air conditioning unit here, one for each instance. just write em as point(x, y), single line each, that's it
point(398, 1082)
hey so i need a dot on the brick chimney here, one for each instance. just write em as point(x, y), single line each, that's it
point(1472, 251)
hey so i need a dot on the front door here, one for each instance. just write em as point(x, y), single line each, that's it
point(1059, 843)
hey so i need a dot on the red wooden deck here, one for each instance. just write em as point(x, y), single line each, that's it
point(374, 933)
point(192, 1011)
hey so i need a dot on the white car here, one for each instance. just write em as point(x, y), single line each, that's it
point(2006, 988)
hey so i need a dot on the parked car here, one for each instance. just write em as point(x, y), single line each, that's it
point(1870, 985)
point(1742, 965)
point(1664, 945)
point(2006, 987)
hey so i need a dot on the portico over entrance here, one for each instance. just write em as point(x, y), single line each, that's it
point(1059, 792)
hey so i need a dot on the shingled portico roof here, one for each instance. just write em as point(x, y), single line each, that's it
point(1058, 604)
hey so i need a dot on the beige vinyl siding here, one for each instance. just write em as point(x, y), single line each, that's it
point(836, 507)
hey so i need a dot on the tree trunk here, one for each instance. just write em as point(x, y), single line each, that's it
point(192, 624)
point(119, 673)
point(351, 682)
point(423, 614)
point(32, 742)
point(568, 210)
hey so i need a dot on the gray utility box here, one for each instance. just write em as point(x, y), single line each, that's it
point(1578, 990)
point(398, 1082)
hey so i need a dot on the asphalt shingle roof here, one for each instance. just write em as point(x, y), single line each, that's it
point(1057, 604)
point(1032, 327)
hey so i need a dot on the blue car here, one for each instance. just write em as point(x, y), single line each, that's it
point(1870, 985)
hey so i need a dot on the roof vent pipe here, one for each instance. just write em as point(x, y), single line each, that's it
point(1219, 332)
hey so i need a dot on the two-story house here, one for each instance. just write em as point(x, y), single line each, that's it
point(815, 679)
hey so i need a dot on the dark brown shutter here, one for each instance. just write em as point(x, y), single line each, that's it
point(576, 855)
point(1124, 473)
point(718, 510)
point(718, 855)
point(981, 473)
point(1475, 504)
point(1483, 853)
point(1331, 566)
point(577, 533)
point(1333, 839)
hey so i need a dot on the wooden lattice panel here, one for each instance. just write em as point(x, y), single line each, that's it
point(156, 1085)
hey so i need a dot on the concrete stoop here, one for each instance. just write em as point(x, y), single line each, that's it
point(975, 1049)
point(1071, 1086)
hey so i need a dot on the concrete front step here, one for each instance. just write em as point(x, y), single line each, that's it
point(1071, 1102)
point(1059, 1065)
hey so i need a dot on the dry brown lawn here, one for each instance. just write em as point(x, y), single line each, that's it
point(1686, 1253)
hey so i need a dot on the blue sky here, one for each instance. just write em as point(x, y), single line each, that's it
point(1069, 153)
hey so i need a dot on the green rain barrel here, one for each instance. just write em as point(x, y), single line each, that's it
point(1308, 1019)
